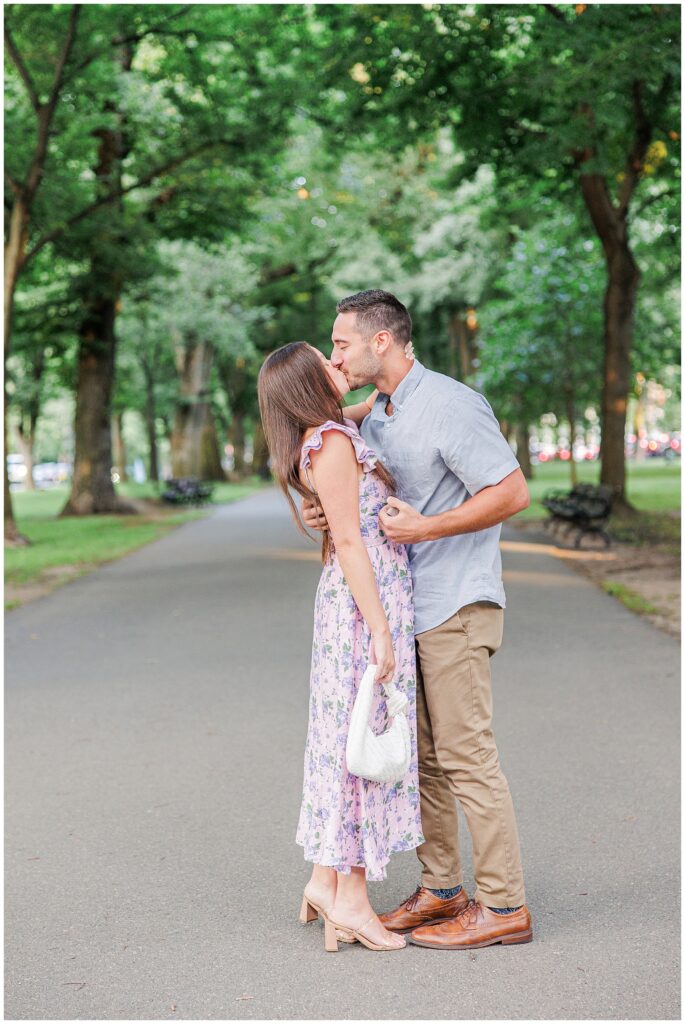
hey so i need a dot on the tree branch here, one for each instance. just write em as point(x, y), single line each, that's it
point(13, 183)
point(554, 11)
point(22, 69)
point(602, 211)
point(634, 163)
point(116, 193)
point(133, 38)
point(652, 199)
point(47, 110)
point(268, 276)
point(63, 58)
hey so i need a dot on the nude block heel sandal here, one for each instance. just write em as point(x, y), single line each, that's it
point(358, 934)
point(312, 911)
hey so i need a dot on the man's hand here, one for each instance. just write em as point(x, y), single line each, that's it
point(406, 526)
point(312, 515)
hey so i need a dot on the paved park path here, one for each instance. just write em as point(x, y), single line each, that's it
point(156, 713)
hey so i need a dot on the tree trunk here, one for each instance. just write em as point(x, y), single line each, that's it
point(92, 489)
point(571, 417)
point(462, 347)
point(119, 446)
point(151, 429)
point(639, 430)
point(237, 436)
point(239, 388)
point(15, 254)
point(13, 538)
point(619, 310)
point(24, 195)
point(523, 450)
point(611, 223)
point(28, 417)
point(26, 437)
point(453, 344)
point(15, 250)
point(210, 450)
point(260, 458)
point(193, 424)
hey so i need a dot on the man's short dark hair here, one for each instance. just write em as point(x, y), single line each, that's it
point(378, 311)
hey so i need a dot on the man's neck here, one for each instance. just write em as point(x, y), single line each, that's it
point(391, 376)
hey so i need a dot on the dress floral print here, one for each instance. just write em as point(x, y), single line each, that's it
point(346, 821)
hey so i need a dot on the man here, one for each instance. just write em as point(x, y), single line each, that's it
point(457, 481)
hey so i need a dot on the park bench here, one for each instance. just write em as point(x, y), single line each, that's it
point(585, 509)
point(187, 491)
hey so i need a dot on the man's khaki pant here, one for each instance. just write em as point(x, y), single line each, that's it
point(458, 758)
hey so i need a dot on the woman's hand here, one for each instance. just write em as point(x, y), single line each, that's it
point(385, 657)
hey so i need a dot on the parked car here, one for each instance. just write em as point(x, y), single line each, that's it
point(542, 451)
point(16, 469)
point(585, 452)
point(660, 448)
point(51, 474)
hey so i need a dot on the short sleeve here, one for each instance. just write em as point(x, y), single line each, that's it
point(472, 445)
point(365, 456)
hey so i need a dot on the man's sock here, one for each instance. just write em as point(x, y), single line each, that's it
point(504, 910)
point(446, 894)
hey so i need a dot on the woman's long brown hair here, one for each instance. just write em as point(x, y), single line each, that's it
point(295, 393)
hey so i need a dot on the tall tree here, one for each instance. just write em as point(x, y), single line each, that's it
point(540, 345)
point(584, 98)
point(42, 97)
point(165, 119)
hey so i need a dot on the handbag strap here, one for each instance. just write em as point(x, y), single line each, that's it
point(397, 702)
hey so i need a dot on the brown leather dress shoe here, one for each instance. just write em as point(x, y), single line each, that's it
point(476, 926)
point(422, 908)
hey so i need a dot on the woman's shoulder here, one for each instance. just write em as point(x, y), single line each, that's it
point(313, 440)
point(313, 436)
point(344, 425)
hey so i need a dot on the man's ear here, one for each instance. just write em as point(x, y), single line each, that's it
point(382, 342)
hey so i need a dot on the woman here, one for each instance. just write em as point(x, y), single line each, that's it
point(348, 826)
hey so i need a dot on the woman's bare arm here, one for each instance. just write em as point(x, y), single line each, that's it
point(335, 474)
point(358, 412)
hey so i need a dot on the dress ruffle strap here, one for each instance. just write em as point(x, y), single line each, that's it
point(365, 456)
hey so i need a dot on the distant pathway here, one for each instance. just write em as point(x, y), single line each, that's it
point(155, 722)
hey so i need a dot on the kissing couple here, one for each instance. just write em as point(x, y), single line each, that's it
point(409, 490)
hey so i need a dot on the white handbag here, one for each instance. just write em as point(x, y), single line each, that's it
point(382, 758)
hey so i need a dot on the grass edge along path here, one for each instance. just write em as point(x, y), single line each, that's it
point(629, 597)
point(61, 550)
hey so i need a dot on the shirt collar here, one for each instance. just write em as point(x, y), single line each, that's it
point(408, 385)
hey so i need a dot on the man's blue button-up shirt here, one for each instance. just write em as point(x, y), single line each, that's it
point(443, 444)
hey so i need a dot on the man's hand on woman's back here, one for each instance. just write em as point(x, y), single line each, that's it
point(313, 515)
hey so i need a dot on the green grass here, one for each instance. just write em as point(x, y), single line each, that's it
point(85, 541)
point(223, 491)
point(660, 528)
point(630, 598)
point(653, 486)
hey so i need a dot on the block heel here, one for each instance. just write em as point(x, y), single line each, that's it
point(330, 937)
point(308, 912)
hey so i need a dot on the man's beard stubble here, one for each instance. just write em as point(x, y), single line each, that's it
point(364, 374)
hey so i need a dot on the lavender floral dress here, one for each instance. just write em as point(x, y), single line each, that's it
point(346, 821)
